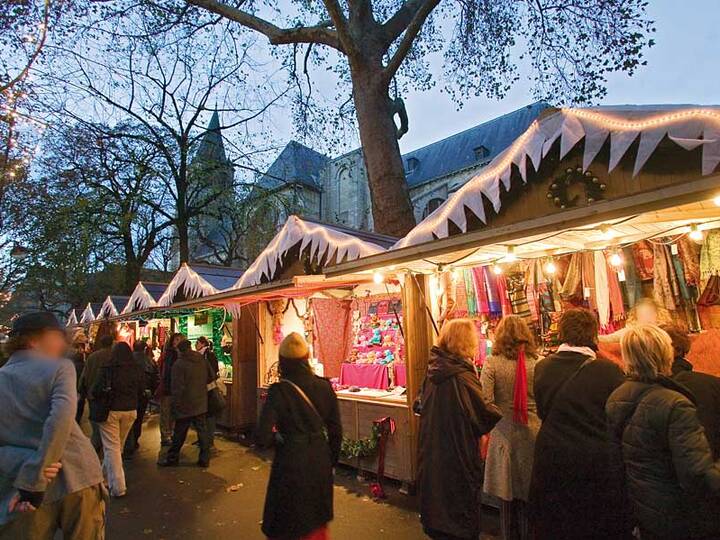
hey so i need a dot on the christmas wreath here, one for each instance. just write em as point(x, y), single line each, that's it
point(558, 189)
point(361, 448)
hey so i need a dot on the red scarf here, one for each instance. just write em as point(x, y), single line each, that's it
point(520, 390)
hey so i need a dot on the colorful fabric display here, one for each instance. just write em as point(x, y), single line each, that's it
point(662, 278)
point(461, 298)
point(633, 285)
point(617, 308)
point(505, 303)
point(534, 276)
point(587, 259)
point(689, 253)
point(571, 290)
point(518, 296)
point(470, 292)
point(710, 256)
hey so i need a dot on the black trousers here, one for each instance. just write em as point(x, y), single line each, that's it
point(131, 443)
point(80, 408)
point(182, 425)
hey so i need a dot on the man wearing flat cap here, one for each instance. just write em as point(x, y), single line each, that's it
point(301, 419)
point(50, 476)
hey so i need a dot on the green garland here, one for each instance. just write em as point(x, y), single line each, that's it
point(217, 330)
point(183, 324)
point(361, 448)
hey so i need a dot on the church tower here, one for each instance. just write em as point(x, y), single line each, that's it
point(211, 174)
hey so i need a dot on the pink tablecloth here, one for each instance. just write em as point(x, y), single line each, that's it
point(400, 374)
point(364, 375)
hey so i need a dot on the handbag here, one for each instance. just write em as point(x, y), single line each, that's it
point(102, 400)
point(216, 401)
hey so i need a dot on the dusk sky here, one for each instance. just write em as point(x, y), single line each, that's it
point(683, 67)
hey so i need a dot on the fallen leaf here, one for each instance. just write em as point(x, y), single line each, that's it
point(147, 531)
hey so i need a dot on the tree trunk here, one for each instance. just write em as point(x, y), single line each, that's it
point(183, 241)
point(391, 208)
point(132, 275)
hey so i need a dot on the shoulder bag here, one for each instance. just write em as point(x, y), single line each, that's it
point(216, 401)
point(102, 400)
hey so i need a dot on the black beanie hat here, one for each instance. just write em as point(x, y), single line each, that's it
point(34, 322)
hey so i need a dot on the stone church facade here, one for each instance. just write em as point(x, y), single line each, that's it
point(335, 190)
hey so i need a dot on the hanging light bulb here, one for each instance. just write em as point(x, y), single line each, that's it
point(378, 278)
point(716, 200)
point(607, 232)
point(497, 269)
point(550, 267)
point(695, 233)
point(456, 273)
point(510, 256)
point(616, 259)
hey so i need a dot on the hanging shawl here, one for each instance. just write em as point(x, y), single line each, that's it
point(520, 390)
point(470, 293)
point(680, 280)
point(483, 308)
point(491, 286)
point(562, 265)
point(710, 256)
point(588, 278)
point(643, 255)
point(602, 289)
point(571, 290)
point(616, 300)
point(663, 291)
point(518, 297)
point(461, 299)
point(633, 286)
point(504, 297)
point(689, 253)
point(531, 288)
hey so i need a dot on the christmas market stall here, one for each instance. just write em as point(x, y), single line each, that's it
point(605, 208)
point(72, 319)
point(353, 325)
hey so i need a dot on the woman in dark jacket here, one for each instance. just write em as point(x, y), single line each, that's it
point(151, 378)
point(453, 417)
point(123, 380)
point(576, 488)
point(669, 467)
point(304, 411)
point(164, 393)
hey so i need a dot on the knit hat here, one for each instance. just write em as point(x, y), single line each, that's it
point(35, 322)
point(294, 346)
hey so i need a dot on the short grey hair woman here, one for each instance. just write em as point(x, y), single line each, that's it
point(669, 467)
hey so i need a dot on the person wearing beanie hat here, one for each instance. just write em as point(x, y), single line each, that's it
point(36, 379)
point(301, 419)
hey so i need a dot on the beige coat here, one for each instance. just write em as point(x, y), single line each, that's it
point(510, 455)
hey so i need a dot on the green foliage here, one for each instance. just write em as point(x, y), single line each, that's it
point(361, 448)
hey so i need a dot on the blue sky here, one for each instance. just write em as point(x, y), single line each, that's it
point(683, 67)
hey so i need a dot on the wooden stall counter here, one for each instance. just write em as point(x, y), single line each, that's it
point(358, 412)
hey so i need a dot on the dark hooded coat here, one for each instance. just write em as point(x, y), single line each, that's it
point(453, 416)
point(673, 483)
point(576, 491)
point(307, 445)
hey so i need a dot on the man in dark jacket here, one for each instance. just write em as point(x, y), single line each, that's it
point(704, 387)
point(77, 356)
point(190, 377)
point(302, 419)
point(90, 374)
point(576, 487)
point(204, 347)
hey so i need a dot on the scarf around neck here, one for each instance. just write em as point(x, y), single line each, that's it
point(585, 351)
point(520, 390)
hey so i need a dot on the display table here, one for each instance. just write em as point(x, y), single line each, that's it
point(364, 375)
point(400, 374)
point(358, 412)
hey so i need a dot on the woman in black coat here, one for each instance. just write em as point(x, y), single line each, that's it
point(576, 491)
point(673, 482)
point(453, 417)
point(304, 410)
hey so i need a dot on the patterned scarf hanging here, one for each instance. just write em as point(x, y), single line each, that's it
point(588, 278)
point(520, 390)
point(616, 300)
point(483, 307)
point(518, 297)
point(470, 293)
point(709, 256)
point(644, 257)
point(571, 290)
point(602, 289)
point(662, 288)
point(505, 304)
point(531, 288)
point(689, 253)
point(633, 285)
point(491, 286)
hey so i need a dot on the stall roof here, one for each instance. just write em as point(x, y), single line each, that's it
point(198, 280)
point(72, 318)
point(90, 313)
point(688, 126)
point(144, 296)
point(321, 239)
point(113, 305)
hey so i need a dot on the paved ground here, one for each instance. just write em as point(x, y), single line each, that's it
point(226, 500)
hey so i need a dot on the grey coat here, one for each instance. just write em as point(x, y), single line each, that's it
point(190, 377)
point(37, 427)
point(508, 469)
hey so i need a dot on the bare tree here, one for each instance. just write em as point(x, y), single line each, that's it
point(570, 48)
point(168, 87)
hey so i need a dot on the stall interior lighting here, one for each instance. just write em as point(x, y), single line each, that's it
point(607, 232)
point(378, 277)
point(695, 233)
point(716, 200)
point(550, 267)
point(497, 269)
point(510, 256)
point(616, 259)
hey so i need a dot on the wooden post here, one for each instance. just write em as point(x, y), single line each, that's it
point(245, 366)
point(418, 341)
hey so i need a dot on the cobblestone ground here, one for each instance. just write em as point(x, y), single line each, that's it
point(226, 500)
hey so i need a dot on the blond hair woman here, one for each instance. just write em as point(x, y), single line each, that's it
point(672, 481)
point(453, 417)
point(506, 381)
